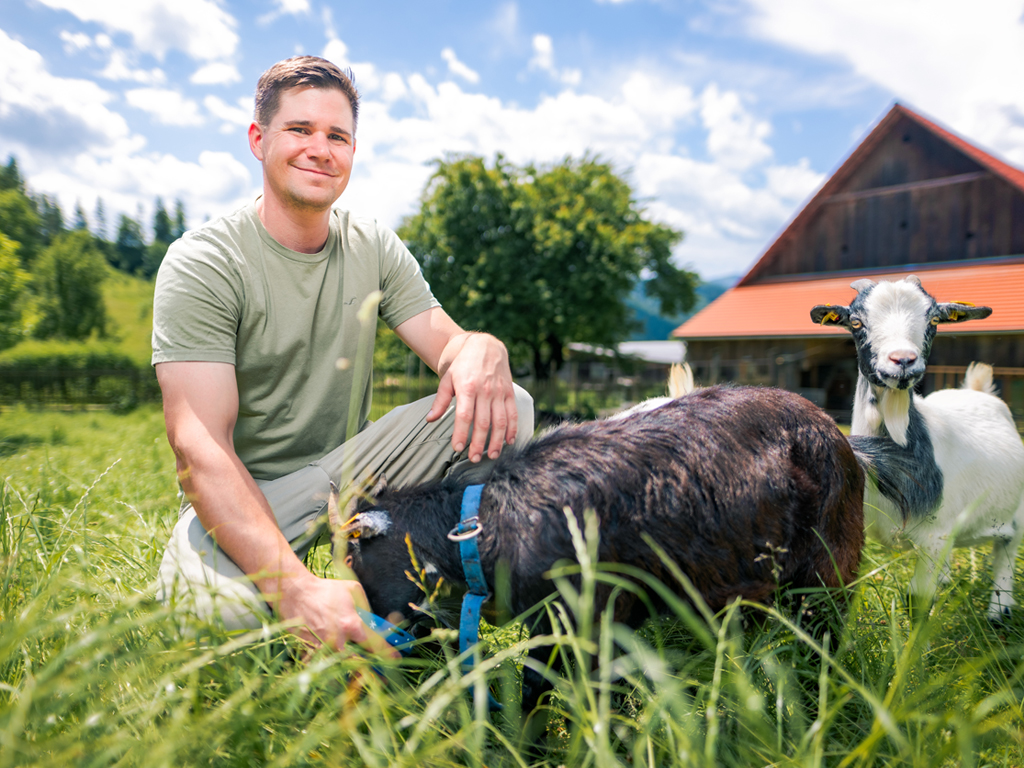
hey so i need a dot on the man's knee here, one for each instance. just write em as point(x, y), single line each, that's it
point(524, 412)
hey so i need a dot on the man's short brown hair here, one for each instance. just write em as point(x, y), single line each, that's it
point(297, 71)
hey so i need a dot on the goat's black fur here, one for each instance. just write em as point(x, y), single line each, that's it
point(906, 475)
point(746, 489)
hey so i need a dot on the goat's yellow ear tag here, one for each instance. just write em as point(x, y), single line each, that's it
point(831, 317)
point(350, 534)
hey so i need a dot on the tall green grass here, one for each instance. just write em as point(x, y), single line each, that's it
point(93, 672)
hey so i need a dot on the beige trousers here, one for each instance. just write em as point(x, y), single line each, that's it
point(198, 576)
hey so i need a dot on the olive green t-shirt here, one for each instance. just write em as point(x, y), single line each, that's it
point(228, 292)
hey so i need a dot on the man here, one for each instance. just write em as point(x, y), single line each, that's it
point(256, 344)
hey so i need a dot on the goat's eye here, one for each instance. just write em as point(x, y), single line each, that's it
point(855, 323)
point(935, 321)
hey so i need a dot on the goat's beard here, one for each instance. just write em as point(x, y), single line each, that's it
point(894, 405)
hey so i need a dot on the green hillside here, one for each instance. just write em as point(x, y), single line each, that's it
point(130, 311)
point(129, 303)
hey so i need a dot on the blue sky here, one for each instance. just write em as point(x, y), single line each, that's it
point(725, 115)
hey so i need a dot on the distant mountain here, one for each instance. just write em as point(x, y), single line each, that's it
point(654, 325)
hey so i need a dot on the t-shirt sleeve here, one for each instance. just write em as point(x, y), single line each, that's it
point(196, 304)
point(405, 290)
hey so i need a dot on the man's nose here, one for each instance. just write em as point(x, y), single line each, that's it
point(317, 145)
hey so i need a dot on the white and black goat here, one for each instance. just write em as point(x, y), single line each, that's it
point(955, 451)
point(746, 489)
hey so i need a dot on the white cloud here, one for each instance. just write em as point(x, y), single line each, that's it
point(794, 183)
point(231, 117)
point(166, 106)
point(75, 41)
point(957, 62)
point(543, 53)
point(285, 8)
point(51, 114)
point(459, 69)
point(735, 138)
point(217, 183)
point(544, 60)
point(119, 68)
point(199, 28)
point(215, 73)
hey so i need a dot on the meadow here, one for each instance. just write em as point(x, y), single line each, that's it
point(94, 672)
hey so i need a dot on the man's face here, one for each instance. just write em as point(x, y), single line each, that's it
point(307, 149)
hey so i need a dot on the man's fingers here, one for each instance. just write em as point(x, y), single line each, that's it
point(512, 412)
point(365, 636)
point(443, 398)
point(499, 425)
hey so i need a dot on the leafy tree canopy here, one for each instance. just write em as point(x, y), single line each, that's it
point(66, 280)
point(13, 280)
point(20, 222)
point(130, 246)
point(542, 256)
point(10, 176)
point(163, 227)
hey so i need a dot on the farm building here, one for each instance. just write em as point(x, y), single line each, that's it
point(912, 198)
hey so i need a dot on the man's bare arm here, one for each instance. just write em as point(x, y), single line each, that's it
point(474, 369)
point(200, 409)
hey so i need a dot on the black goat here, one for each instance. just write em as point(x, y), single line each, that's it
point(746, 489)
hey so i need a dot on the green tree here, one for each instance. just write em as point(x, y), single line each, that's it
point(81, 222)
point(163, 228)
point(20, 222)
point(163, 236)
point(542, 256)
point(180, 224)
point(67, 279)
point(100, 216)
point(130, 247)
point(51, 218)
point(10, 176)
point(13, 280)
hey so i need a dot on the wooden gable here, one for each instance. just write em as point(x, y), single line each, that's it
point(912, 193)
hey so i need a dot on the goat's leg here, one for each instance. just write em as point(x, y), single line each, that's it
point(928, 569)
point(1004, 556)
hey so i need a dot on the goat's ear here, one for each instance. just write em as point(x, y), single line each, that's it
point(827, 314)
point(957, 312)
point(366, 525)
point(862, 285)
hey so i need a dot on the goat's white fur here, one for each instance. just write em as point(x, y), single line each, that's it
point(680, 382)
point(976, 446)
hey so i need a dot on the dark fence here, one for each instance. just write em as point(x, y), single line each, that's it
point(116, 389)
point(122, 389)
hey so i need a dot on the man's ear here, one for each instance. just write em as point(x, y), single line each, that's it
point(827, 314)
point(256, 140)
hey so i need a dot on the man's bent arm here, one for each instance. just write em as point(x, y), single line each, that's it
point(474, 369)
point(200, 409)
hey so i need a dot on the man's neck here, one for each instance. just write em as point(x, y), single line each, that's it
point(297, 230)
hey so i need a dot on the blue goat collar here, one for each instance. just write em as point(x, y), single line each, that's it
point(465, 533)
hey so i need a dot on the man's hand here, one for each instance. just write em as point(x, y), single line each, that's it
point(474, 370)
point(480, 380)
point(325, 610)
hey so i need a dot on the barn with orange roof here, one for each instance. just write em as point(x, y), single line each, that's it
point(911, 198)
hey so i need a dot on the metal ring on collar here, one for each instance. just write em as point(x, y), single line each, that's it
point(465, 530)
